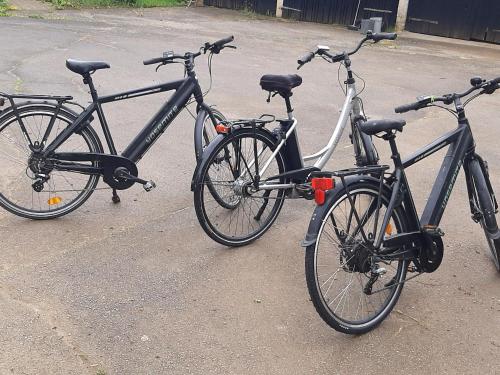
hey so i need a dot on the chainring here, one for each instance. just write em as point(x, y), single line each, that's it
point(431, 254)
point(110, 164)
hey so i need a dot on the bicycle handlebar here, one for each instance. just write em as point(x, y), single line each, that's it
point(375, 37)
point(221, 42)
point(305, 59)
point(407, 107)
point(156, 60)
point(168, 57)
point(488, 87)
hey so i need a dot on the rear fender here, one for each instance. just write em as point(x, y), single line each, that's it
point(318, 216)
point(211, 147)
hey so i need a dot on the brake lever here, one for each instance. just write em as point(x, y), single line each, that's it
point(159, 66)
point(229, 46)
point(206, 47)
point(491, 88)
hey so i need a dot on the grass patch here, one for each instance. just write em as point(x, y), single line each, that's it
point(60, 4)
point(4, 7)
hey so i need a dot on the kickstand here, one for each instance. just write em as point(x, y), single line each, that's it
point(264, 205)
point(116, 197)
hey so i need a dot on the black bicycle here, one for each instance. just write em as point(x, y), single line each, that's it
point(366, 237)
point(51, 158)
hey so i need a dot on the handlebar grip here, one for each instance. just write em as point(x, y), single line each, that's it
point(306, 58)
point(407, 107)
point(156, 60)
point(383, 36)
point(221, 42)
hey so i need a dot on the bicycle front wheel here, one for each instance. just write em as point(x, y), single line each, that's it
point(206, 132)
point(30, 186)
point(229, 208)
point(485, 203)
point(340, 265)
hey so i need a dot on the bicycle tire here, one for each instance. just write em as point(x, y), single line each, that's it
point(488, 220)
point(208, 132)
point(207, 215)
point(319, 297)
point(27, 111)
point(208, 135)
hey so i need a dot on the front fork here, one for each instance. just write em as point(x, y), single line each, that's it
point(476, 213)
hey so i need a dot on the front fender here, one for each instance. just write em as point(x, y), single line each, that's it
point(198, 132)
point(204, 158)
point(318, 216)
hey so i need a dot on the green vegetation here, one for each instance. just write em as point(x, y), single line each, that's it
point(4, 8)
point(114, 3)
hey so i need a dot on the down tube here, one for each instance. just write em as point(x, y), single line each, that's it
point(446, 178)
point(337, 133)
point(159, 123)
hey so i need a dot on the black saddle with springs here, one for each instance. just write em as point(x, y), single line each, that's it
point(282, 84)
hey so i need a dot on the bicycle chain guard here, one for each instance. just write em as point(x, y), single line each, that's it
point(431, 254)
point(110, 164)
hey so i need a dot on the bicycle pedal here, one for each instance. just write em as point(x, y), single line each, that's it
point(149, 185)
point(433, 230)
point(380, 271)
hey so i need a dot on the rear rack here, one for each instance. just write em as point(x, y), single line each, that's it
point(37, 97)
point(259, 122)
point(371, 169)
point(11, 98)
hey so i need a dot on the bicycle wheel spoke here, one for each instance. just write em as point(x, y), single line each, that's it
point(344, 259)
point(232, 210)
point(33, 188)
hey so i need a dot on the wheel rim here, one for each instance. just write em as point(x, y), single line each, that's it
point(61, 191)
point(492, 246)
point(235, 220)
point(341, 259)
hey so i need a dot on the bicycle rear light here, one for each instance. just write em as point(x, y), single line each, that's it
point(320, 185)
point(222, 129)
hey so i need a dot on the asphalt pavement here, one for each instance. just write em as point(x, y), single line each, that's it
point(138, 288)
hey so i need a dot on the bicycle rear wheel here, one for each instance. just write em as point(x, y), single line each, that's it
point(485, 203)
point(30, 187)
point(345, 292)
point(245, 213)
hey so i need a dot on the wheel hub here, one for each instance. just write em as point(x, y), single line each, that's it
point(242, 188)
point(39, 164)
point(356, 256)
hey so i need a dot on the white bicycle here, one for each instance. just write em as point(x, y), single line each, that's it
point(248, 170)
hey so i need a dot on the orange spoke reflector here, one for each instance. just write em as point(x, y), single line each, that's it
point(388, 229)
point(222, 129)
point(54, 200)
point(320, 185)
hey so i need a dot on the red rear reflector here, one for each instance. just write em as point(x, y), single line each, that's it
point(320, 185)
point(319, 197)
point(220, 128)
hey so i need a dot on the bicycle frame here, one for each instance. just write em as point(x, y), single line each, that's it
point(184, 88)
point(351, 109)
point(460, 152)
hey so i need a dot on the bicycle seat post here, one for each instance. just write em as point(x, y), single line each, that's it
point(289, 108)
point(87, 80)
